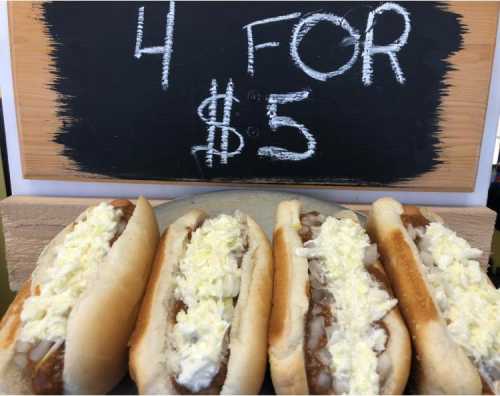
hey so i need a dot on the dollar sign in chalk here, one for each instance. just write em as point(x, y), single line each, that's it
point(210, 103)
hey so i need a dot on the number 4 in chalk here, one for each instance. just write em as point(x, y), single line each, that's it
point(165, 49)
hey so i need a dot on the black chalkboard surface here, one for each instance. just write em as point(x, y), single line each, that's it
point(268, 92)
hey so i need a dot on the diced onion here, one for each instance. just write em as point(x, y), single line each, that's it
point(491, 374)
point(56, 345)
point(315, 283)
point(426, 258)
point(424, 244)
point(121, 227)
point(316, 310)
point(307, 244)
point(315, 331)
point(341, 386)
point(23, 347)
point(312, 219)
point(329, 331)
point(311, 342)
point(317, 294)
point(347, 214)
point(324, 357)
point(384, 365)
point(315, 232)
point(411, 232)
point(323, 296)
point(40, 350)
point(315, 269)
point(371, 254)
point(21, 360)
point(307, 221)
point(324, 379)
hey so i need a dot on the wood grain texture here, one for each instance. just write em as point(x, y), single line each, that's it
point(30, 222)
point(37, 119)
point(462, 111)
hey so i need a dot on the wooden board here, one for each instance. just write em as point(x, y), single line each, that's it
point(461, 113)
point(30, 222)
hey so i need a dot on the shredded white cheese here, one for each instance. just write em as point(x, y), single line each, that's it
point(207, 281)
point(45, 316)
point(359, 302)
point(468, 301)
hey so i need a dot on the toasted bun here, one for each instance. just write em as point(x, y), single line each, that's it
point(290, 306)
point(150, 366)
point(397, 355)
point(100, 323)
point(441, 366)
point(11, 379)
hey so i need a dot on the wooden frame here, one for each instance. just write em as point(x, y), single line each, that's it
point(463, 110)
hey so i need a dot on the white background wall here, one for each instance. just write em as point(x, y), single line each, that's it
point(21, 186)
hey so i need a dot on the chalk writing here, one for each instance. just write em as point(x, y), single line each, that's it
point(304, 26)
point(252, 48)
point(391, 49)
point(276, 121)
point(167, 47)
point(207, 110)
point(213, 124)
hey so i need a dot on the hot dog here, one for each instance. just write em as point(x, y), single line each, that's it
point(68, 328)
point(335, 326)
point(449, 304)
point(202, 327)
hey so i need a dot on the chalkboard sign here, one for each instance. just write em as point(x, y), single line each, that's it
point(336, 93)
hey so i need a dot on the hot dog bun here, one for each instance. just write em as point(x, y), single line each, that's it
point(291, 299)
point(150, 360)
point(100, 323)
point(441, 365)
point(290, 305)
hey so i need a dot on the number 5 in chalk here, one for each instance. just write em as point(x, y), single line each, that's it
point(276, 121)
